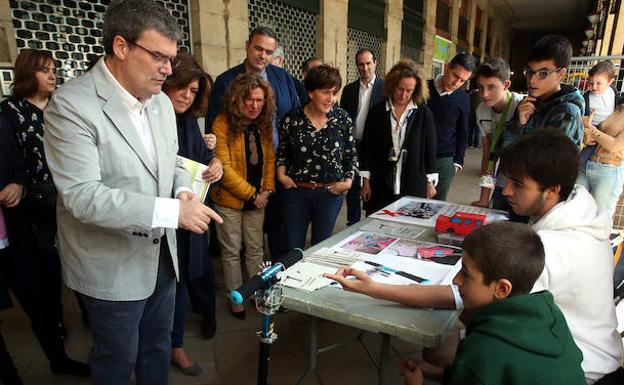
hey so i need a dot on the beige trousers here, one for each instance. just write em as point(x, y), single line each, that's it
point(240, 228)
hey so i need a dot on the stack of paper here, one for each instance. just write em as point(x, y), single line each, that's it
point(198, 184)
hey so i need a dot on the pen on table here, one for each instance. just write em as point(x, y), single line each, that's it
point(397, 272)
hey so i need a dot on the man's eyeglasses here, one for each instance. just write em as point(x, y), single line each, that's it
point(540, 74)
point(157, 56)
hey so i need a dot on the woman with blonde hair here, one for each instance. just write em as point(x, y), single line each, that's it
point(245, 147)
point(399, 142)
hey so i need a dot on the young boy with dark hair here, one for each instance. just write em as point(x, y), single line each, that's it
point(541, 170)
point(602, 97)
point(550, 103)
point(512, 337)
point(494, 113)
point(601, 101)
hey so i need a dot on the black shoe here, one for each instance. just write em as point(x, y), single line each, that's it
point(208, 327)
point(69, 366)
point(193, 370)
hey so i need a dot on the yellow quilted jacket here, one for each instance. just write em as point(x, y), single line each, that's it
point(234, 190)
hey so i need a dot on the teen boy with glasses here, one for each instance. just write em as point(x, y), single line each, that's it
point(549, 103)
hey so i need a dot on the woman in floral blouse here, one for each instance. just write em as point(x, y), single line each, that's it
point(33, 262)
point(316, 159)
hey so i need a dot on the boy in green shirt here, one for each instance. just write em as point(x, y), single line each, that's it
point(512, 337)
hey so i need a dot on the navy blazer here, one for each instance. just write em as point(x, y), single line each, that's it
point(350, 99)
point(193, 255)
point(282, 82)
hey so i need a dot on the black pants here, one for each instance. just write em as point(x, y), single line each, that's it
point(7, 368)
point(614, 378)
point(274, 226)
point(27, 281)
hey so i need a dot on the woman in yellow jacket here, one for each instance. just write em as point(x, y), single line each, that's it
point(245, 147)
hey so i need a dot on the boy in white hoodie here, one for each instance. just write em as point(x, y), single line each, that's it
point(540, 169)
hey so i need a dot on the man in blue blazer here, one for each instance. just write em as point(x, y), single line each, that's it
point(260, 48)
point(357, 99)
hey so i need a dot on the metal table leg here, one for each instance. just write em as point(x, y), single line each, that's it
point(384, 359)
point(312, 352)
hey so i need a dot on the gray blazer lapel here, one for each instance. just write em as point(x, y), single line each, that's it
point(159, 142)
point(115, 110)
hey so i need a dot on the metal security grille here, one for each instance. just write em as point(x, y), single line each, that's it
point(72, 30)
point(356, 40)
point(578, 71)
point(577, 75)
point(410, 53)
point(295, 29)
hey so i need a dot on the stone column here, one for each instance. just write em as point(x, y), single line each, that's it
point(484, 33)
point(391, 47)
point(472, 23)
point(604, 49)
point(220, 29)
point(618, 39)
point(429, 32)
point(454, 26)
point(331, 28)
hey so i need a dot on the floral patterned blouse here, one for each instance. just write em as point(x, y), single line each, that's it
point(27, 121)
point(324, 156)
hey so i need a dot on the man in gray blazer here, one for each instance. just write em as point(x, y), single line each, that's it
point(111, 146)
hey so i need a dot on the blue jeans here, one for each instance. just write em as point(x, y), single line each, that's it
point(302, 206)
point(604, 182)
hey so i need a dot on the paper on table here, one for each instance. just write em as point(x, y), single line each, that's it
point(425, 212)
point(414, 257)
point(198, 184)
point(306, 276)
point(394, 229)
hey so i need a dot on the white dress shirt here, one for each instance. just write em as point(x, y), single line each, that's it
point(366, 92)
point(398, 127)
point(166, 210)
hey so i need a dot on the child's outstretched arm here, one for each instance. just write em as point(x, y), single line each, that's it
point(437, 296)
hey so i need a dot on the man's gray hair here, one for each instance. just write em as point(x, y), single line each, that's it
point(130, 18)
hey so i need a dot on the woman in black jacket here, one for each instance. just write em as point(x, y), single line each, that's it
point(31, 264)
point(399, 143)
point(189, 88)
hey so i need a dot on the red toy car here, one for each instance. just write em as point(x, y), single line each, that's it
point(460, 223)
